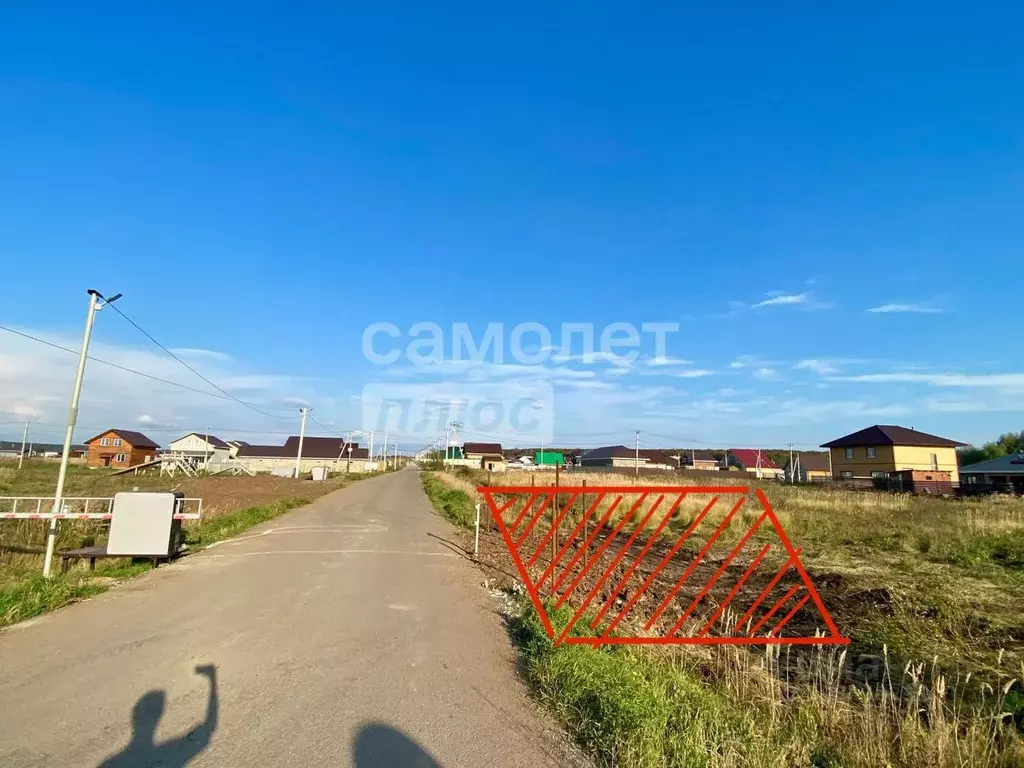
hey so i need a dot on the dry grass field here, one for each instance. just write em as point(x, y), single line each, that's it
point(930, 591)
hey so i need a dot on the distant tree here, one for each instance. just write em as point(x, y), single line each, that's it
point(1007, 443)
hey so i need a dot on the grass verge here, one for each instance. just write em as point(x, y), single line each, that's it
point(454, 504)
point(234, 523)
point(648, 708)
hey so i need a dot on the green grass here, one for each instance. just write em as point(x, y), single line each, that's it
point(627, 708)
point(37, 594)
point(452, 503)
point(233, 523)
point(663, 708)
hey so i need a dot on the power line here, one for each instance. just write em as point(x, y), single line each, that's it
point(323, 426)
point(131, 370)
point(223, 391)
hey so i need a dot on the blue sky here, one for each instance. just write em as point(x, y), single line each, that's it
point(262, 182)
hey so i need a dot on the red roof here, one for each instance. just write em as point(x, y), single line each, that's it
point(747, 458)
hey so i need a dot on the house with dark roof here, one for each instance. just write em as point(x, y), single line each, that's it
point(878, 451)
point(659, 459)
point(484, 456)
point(119, 448)
point(612, 456)
point(700, 460)
point(755, 461)
point(1004, 473)
point(808, 467)
point(334, 453)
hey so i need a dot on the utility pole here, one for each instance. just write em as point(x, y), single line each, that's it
point(370, 451)
point(792, 466)
point(396, 456)
point(24, 439)
point(94, 307)
point(302, 437)
point(384, 451)
point(638, 453)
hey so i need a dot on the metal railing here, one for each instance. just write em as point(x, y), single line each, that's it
point(81, 508)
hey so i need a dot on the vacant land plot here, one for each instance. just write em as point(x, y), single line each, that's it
point(912, 581)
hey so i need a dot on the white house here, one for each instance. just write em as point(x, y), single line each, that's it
point(201, 450)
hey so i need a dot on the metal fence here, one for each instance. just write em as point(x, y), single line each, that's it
point(80, 508)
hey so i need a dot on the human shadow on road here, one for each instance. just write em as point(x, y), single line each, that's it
point(143, 750)
point(378, 745)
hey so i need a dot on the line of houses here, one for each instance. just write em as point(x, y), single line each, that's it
point(885, 457)
point(200, 451)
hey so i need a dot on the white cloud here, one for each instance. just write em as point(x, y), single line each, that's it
point(890, 308)
point(766, 373)
point(780, 299)
point(36, 382)
point(736, 364)
point(202, 354)
point(694, 373)
point(1013, 380)
point(656, 362)
point(822, 367)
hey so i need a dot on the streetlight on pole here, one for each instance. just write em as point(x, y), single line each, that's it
point(95, 297)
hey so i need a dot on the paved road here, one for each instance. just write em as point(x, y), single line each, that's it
point(341, 634)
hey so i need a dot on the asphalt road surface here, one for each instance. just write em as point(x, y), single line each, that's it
point(346, 633)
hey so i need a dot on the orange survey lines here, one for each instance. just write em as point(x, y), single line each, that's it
point(660, 565)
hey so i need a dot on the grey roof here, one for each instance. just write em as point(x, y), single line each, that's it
point(1011, 464)
point(611, 452)
point(889, 434)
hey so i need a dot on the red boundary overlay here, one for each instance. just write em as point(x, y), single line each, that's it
point(546, 496)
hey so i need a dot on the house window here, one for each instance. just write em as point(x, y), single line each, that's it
point(104, 441)
point(846, 474)
point(849, 453)
point(117, 442)
point(870, 452)
point(119, 458)
point(935, 462)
